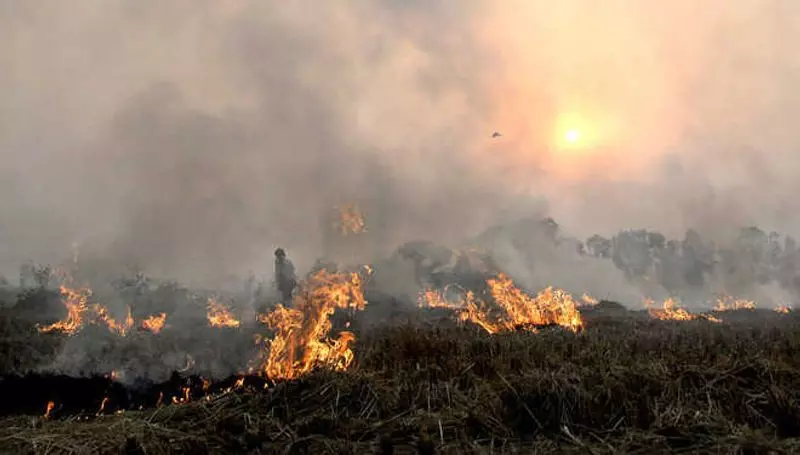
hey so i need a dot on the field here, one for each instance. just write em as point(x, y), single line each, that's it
point(420, 383)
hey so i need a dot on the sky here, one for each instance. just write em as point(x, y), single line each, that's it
point(192, 137)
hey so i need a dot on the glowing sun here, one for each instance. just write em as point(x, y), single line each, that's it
point(572, 135)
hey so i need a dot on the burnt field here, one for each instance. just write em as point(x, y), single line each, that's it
point(418, 383)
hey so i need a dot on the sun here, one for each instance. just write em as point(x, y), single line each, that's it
point(573, 133)
point(572, 136)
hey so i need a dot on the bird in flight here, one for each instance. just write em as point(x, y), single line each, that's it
point(496, 134)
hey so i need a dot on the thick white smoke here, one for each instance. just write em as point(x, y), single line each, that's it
point(191, 137)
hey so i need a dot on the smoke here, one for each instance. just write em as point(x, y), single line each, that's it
point(192, 137)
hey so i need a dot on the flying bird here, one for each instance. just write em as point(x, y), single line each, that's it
point(496, 134)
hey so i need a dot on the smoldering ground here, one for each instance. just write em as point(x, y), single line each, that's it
point(190, 137)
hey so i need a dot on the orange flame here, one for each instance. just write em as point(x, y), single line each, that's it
point(50, 406)
point(351, 221)
point(220, 316)
point(728, 303)
point(432, 298)
point(301, 343)
point(121, 328)
point(187, 395)
point(475, 312)
point(76, 302)
point(783, 309)
point(588, 300)
point(670, 311)
point(155, 322)
point(550, 306)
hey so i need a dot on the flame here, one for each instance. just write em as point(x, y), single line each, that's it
point(670, 311)
point(155, 322)
point(588, 300)
point(102, 405)
point(50, 406)
point(728, 303)
point(351, 221)
point(121, 328)
point(783, 309)
point(550, 306)
point(160, 401)
point(187, 395)
point(475, 312)
point(432, 298)
point(220, 316)
point(301, 342)
point(76, 302)
point(468, 308)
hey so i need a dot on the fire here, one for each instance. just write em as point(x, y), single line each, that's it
point(102, 406)
point(474, 311)
point(728, 303)
point(670, 311)
point(155, 322)
point(187, 395)
point(301, 342)
point(120, 328)
point(220, 316)
point(78, 310)
point(588, 300)
point(76, 302)
point(550, 306)
point(50, 406)
point(783, 309)
point(431, 298)
point(350, 220)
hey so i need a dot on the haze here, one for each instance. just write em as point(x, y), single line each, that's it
point(193, 136)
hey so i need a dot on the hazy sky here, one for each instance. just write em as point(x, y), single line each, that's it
point(193, 136)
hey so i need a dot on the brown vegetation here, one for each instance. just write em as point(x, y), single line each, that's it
point(625, 384)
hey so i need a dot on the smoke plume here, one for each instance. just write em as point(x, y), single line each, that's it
point(191, 137)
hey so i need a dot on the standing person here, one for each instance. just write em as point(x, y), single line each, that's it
point(285, 277)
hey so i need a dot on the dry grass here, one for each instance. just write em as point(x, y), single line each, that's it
point(627, 384)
